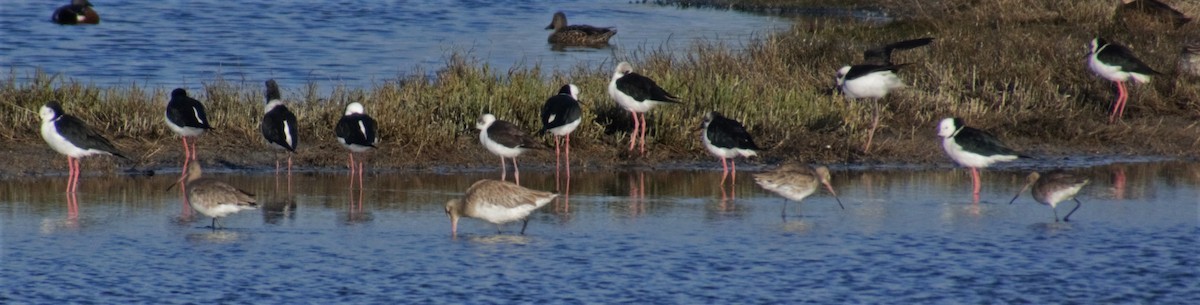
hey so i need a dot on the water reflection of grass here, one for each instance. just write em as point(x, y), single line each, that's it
point(1015, 67)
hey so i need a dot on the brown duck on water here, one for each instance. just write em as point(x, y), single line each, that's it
point(578, 34)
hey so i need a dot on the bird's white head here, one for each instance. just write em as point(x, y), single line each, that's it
point(841, 75)
point(949, 126)
point(622, 69)
point(484, 121)
point(354, 108)
point(574, 91)
point(50, 111)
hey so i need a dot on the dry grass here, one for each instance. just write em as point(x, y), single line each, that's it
point(1015, 67)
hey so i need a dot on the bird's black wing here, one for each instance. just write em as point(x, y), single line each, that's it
point(78, 133)
point(982, 142)
point(642, 88)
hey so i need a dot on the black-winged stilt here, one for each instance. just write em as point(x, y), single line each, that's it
point(577, 34)
point(726, 138)
point(973, 148)
point(875, 78)
point(496, 202)
point(72, 137)
point(796, 181)
point(1116, 63)
point(214, 198)
point(279, 125)
point(186, 117)
point(357, 132)
point(637, 94)
point(560, 116)
point(1052, 188)
point(78, 12)
point(505, 140)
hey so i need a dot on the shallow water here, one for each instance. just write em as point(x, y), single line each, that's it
point(355, 43)
point(906, 236)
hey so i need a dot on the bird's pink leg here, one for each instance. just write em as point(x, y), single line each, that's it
point(975, 180)
point(557, 156)
point(350, 164)
point(1125, 99)
point(644, 125)
point(633, 135)
point(725, 171)
point(567, 156)
point(1112, 116)
point(503, 170)
point(70, 173)
point(733, 172)
point(516, 172)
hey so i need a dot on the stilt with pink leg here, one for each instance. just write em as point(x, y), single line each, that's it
point(72, 137)
point(637, 94)
point(727, 139)
point(560, 116)
point(279, 126)
point(973, 148)
point(1117, 63)
point(505, 140)
point(357, 132)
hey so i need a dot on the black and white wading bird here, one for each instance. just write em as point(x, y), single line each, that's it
point(973, 148)
point(727, 139)
point(505, 140)
point(560, 116)
point(186, 117)
point(72, 137)
point(1052, 188)
point(497, 202)
point(214, 198)
point(357, 132)
point(875, 78)
point(279, 125)
point(637, 94)
point(1116, 63)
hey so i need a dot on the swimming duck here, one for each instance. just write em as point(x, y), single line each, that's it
point(78, 12)
point(578, 34)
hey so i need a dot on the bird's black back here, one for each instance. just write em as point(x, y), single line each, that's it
point(350, 130)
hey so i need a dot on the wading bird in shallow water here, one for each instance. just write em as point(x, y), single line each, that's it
point(78, 12)
point(214, 198)
point(796, 181)
point(637, 94)
point(726, 138)
point(1116, 63)
point(875, 78)
point(578, 34)
point(279, 125)
point(186, 117)
point(505, 140)
point(496, 202)
point(1052, 188)
point(973, 148)
point(560, 116)
point(72, 137)
point(357, 132)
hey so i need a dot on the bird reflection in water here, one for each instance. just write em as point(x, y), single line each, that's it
point(279, 209)
point(637, 192)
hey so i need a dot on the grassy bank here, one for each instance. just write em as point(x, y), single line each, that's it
point(1015, 67)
